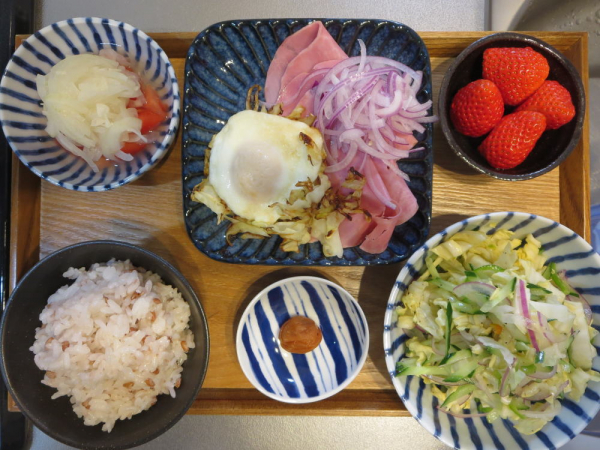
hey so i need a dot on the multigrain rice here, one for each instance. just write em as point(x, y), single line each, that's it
point(113, 341)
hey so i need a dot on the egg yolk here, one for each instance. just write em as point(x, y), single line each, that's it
point(300, 335)
point(258, 173)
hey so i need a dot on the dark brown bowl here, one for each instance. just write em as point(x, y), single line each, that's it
point(553, 146)
point(23, 378)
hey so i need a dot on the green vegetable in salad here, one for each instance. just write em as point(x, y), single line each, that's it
point(496, 330)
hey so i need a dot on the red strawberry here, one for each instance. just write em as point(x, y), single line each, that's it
point(518, 72)
point(477, 108)
point(512, 139)
point(553, 101)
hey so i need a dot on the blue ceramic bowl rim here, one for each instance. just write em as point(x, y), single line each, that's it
point(162, 147)
point(405, 272)
point(339, 388)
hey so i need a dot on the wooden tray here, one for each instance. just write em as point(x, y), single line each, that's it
point(148, 212)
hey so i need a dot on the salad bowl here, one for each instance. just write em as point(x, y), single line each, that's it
point(580, 263)
point(24, 124)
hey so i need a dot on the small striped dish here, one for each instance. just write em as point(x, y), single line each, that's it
point(21, 113)
point(296, 378)
point(582, 265)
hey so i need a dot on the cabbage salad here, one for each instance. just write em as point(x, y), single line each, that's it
point(496, 330)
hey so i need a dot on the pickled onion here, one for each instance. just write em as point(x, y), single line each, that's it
point(368, 104)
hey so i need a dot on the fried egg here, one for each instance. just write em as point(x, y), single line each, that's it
point(258, 159)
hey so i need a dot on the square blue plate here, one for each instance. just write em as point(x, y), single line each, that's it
point(224, 61)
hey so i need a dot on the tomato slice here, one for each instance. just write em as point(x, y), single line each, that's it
point(150, 120)
point(153, 102)
point(133, 147)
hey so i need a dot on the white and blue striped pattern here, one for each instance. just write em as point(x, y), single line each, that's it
point(296, 378)
point(21, 113)
point(582, 265)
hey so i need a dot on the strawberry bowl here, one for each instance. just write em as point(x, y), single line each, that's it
point(552, 147)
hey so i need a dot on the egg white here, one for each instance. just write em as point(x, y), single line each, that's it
point(257, 159)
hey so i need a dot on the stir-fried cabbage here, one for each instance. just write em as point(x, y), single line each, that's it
point(497, 330)
point(312, 212)
point(85, 101)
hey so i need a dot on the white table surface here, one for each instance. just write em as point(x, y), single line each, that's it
point(287, 432)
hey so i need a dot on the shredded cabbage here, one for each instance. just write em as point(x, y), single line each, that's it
point(489, 318)
point(85, 101)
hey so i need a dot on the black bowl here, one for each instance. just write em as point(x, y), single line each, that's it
point(553, 146)
point(56, 417)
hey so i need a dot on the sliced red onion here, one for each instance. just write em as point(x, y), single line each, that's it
point(413, 332)
point(543, 375)
point(462, 400)
point(428, 119)
point(539, 396)
point(548, 334)
point(525, 309)
point(525, 381)
point(344, 162)
point(420, 329)
point(563, 386)
point(587, 309)
point(460, 415)
point(375, 99)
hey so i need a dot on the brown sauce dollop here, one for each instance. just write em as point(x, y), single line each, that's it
point(300, 335)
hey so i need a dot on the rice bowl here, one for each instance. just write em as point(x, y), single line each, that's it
point(55, 417)
point(112, 341)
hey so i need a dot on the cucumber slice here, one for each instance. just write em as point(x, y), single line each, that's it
point(442, 284)
point(402, 371)
point(459, 356)
point(458, 393)
point(498, 295)
point(463, 370)
point(489, 268)
point(522, 346)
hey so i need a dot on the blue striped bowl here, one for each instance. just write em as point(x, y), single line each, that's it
point(295, 378)
point(21, 113)
point(582, 264)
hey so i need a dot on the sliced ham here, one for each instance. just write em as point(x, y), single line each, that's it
point(310, 49)
point(322, 48)
point(299, 91)
point(406, 207)
point(373, 236)
point(287, 51)
point(353, 232)
point(306, 61)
